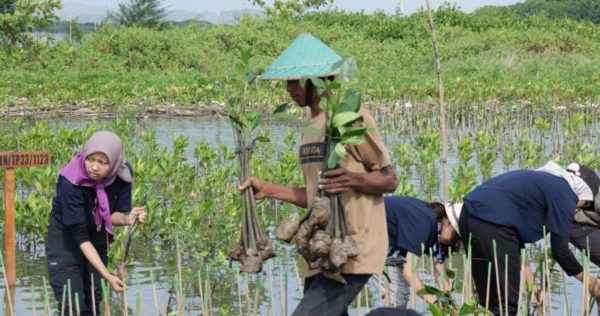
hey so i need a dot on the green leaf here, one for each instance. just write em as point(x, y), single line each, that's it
point(357, 131)
point(430, 290)
point(262, 139)
point(311, 131)
point(450, 274)
point(281, 108)
point(351, 102)
point(340, 150)
point(345, 118)
point(353, 140)
point(435, 310)
point(319, 83)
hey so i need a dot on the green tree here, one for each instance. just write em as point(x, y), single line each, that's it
point(18, 17)
point(290, 8)
point(143, 13)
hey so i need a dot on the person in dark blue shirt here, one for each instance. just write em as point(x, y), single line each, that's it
point(512, 209)
point(92, 192)
point(413, 226)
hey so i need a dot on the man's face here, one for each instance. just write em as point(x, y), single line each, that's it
point(297, 93)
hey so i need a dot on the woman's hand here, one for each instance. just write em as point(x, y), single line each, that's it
point(115, 283)
point(137, 212)
point(594, 288)
point(536, 299)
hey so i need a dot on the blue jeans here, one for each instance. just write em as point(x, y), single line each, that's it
point(397, 262)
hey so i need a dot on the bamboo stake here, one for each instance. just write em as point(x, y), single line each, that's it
point(93, 295)
point(546, 275)
point(442, 104)
point(154, 297)
point(272, 292)
point(366, 299)
point(47, 297)
point(239, 288)
point(201, 293)
point(564, 282)
point(77, 303)
point(256, 297)
point(8, 294)
point(33, 309)
point(413, 293)
point(283, 289)
point(497, 279)
point(300, 285)
point(487, 292)
point(124, 299)
point(247, 295)
point(506, 283)
point(522, 282)
point(69, 294)
point(379, 276)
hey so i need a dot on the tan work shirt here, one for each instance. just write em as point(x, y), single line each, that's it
point(365, 213)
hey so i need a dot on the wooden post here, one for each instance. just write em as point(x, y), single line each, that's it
point(9, 161)
point(438, 62)
point(9, 226)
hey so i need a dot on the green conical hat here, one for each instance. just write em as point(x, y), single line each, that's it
point(307, 56)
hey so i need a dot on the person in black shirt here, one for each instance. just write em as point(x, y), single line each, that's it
point(512, 209)
point(413, 226)
point(92, 193)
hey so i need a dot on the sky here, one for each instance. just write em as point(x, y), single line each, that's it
point(408, 6)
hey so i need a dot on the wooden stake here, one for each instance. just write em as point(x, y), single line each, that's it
point(438, 63)
point(9, 228)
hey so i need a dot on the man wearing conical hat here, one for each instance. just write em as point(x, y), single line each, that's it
point(363, 176)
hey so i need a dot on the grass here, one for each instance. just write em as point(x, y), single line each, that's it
point(498, 57)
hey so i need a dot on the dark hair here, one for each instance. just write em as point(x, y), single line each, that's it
point(439, 209)
point(440, 213)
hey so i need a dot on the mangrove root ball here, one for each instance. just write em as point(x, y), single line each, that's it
point(288, 228)
point(123, 272)
point(350, 247)
point(337, 253)
point(320, 213)
point(319, 244)
point(251, 261)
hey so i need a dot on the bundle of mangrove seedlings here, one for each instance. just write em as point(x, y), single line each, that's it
point(254, 246)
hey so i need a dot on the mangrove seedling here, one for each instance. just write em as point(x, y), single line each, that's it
point(254, 246)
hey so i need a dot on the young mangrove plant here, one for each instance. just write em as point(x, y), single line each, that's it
point(254, 246)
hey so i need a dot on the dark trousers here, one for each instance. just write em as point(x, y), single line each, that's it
point(65, 262)
point(326, 297)
point(508, 245)
point(587, 237)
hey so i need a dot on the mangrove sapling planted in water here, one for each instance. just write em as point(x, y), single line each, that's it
point(254, 246)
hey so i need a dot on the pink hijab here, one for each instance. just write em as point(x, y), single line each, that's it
point(111, 145)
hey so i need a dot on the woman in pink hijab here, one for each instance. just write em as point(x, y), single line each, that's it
point(93, 194)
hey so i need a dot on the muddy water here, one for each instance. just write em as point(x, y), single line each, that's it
point(155, 269)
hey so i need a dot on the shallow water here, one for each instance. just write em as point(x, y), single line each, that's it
point(278, 277)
